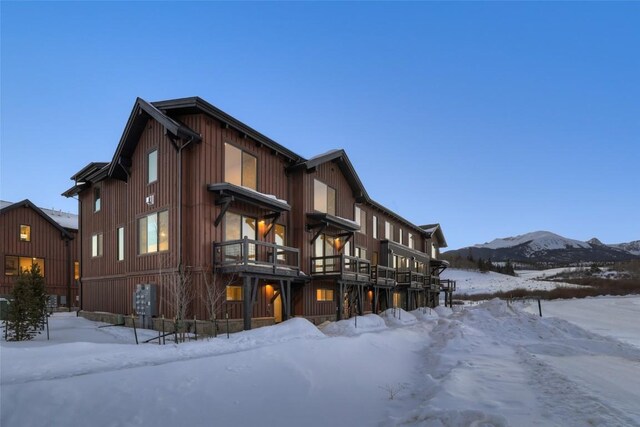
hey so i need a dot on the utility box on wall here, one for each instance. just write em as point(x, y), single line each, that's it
point(144, 303)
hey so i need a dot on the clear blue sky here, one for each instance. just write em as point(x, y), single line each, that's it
point(493, 119)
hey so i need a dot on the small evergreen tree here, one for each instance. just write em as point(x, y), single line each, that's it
point(28, 305)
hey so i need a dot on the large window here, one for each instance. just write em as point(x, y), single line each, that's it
point(236, 227)
point(96, 245)
point(25, 233)
point(152, 166)
point(324, 294)
point(388, 230)
point(120, 243)
point(324, 197)
point(240, 167)
point(153, 233)
point(361, 219)
point(13, 265)
point(234, 293)
point(375, 226)
point(97, 199)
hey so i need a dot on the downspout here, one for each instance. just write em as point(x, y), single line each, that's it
point(182, 147)
point(81, 253)
point(66, 243)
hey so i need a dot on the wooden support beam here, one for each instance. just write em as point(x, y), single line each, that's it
point(339, 299)
point(247, 306)
point(273, 217)
point(320, 230)
point(225, 202)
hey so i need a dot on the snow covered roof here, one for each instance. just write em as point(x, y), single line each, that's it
point(65, 220)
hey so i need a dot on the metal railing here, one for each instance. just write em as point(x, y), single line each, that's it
point(347, 267)
point(248, 253)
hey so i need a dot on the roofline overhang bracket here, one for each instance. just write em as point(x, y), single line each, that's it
point(320, 226)
point(225, 202)
point(273, 217)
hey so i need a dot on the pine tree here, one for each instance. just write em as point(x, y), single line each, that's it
point(28, 305)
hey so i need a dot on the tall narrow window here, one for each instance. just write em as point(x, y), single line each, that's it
point(361, 252)
point(388, 230)
point(324, 197)
point(25, 233)
point(280, 233)
point(97, 199)
point(361, 219)
point(120, 242)
point(152, 166)
point(153, 233)
point(401, 236)
point(375, 226)
point(96, 245)
point(76, 270)
point(240, 167)
point(411, 244)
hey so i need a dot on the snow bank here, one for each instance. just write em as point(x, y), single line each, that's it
point(398, 317)
point(425, 314)
point(355, 326)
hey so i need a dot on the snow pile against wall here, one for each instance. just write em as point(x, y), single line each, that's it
point(355, 326)
point(398, 317)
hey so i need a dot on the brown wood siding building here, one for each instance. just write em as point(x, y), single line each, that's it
point(47, 240)
point(189, 137)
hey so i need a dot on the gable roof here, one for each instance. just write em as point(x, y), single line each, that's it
point(437, 229)
point(342, 160)
point(196, 104)
point(60, 220)
point(142, 111)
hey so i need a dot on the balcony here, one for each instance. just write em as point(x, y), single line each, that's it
point(252, 256)
point(434, 284)
point(383, 276)
point(410, 278)
point(341, 267)
point(448, 285)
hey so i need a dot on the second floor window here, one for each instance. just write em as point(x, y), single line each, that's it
point(400, 236)
point(240, 167)
point(13, 265)
point(96, 245)
point(153, 233)
point(388, 230)
point(361, 219)
point(97, 199)
point(152, 166)
point(25, 233)
point(120, 241)
point(375, 226)
point(361, 252)
point(324, 197)
point(238, 227)
point(411, 244)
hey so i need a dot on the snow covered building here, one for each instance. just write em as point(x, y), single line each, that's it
point(46, 237)
point(192, 191)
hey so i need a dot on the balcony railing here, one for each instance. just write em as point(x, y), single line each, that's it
point(247, 255)
point(448, 285)
point(434, 283)
point(342, 266)
point(411, 278)
point(384, 276)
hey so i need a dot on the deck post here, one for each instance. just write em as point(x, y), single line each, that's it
point(247, 302)
point(339, 297)
point(376, 292)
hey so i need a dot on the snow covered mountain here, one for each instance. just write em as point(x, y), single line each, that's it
point(544, 246)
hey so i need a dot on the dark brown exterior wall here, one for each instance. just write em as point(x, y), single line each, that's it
point(46, 242)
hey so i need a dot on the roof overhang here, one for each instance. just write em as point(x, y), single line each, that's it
point(328, 220)
point(435, 229)
point(26, 203)
point(247, 195)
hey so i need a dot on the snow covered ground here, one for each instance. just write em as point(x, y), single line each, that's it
point(473, 282)
point(486, 365)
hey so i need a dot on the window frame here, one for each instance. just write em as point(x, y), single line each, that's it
point(360, 216)
point(149, 153)
point(322, 295)
point(120, 244)
point(27, 234)
point(244, 154)
point(388, 230)
point(329, 202)
point(97, 245)
point(374, 225)
point(97, 199)
point(19, 259)
point(234, 293)
point(159, 240)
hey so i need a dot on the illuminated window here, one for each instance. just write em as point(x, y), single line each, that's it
point(361, 219)
point(97, 199)
point(236, 227)
point(234, 293)
point(388, 230)
point(240, 167)
point(96, 245)
point(361, 252)
point(375, 226)
point(76, 270)
point(120, 243)
point(324, 294)
point(152, 166)
point(25, 233)
point(13, 265)
point(324, 197)
point(153, 233)
point(397, 299)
